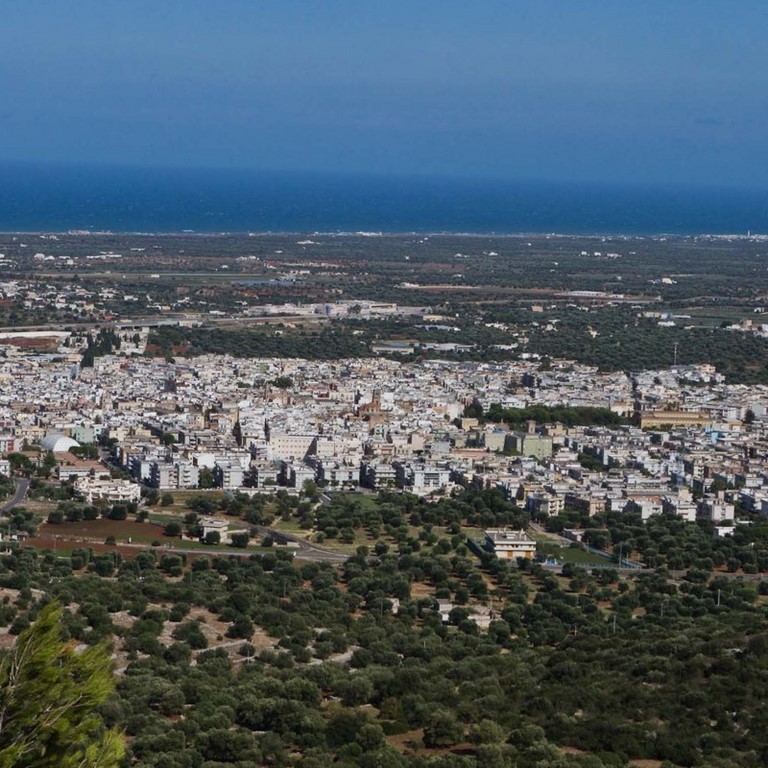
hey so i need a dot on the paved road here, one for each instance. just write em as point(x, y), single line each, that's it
point(22, 486)
point(306, 550)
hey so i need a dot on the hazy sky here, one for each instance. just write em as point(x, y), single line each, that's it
point(651, 90)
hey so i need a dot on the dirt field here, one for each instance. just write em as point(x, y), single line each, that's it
point(131, 537)
point(128, 551)
point(127, 531)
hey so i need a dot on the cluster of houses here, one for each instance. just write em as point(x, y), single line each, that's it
point(691, 445)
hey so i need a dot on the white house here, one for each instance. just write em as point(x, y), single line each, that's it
point(504, 542)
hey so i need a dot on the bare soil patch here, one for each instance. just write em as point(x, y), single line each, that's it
point(122, 530)
point(60, 544)
point(420, 589)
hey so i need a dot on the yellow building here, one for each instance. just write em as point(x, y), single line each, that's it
point(674, 419)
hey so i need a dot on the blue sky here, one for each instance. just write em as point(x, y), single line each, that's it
point(651, 91)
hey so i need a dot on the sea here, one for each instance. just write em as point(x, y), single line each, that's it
point(59, 198)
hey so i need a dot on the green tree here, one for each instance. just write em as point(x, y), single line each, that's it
point(20, 463)
point(206, 478)
point(151, 497)
point(309, 489)
point(487, 732)
point(443, 729)
point(474, 409)
point(240, 539)
point(50, 462)
point(49, 696)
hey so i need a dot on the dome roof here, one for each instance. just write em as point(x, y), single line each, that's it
point(58, 443)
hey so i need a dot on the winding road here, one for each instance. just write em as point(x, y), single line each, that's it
point(22, 486)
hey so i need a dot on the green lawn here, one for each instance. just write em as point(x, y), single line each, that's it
point(575, 555)
point(289, 526)
point(365, 501)
point(163, 518)
point(582, 557)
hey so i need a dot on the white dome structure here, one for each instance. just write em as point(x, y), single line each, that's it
point(58, 443)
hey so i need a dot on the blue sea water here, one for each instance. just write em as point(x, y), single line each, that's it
point(60, 198)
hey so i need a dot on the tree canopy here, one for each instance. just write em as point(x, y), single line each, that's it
point(49, 695)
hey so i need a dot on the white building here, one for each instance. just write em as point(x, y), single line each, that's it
point(504, 542)
point(173, 475)
point(228, 476)
point(291, 446)
point(214, 525)
point(109, 490)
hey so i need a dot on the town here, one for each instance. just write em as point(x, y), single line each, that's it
point(683, 443)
